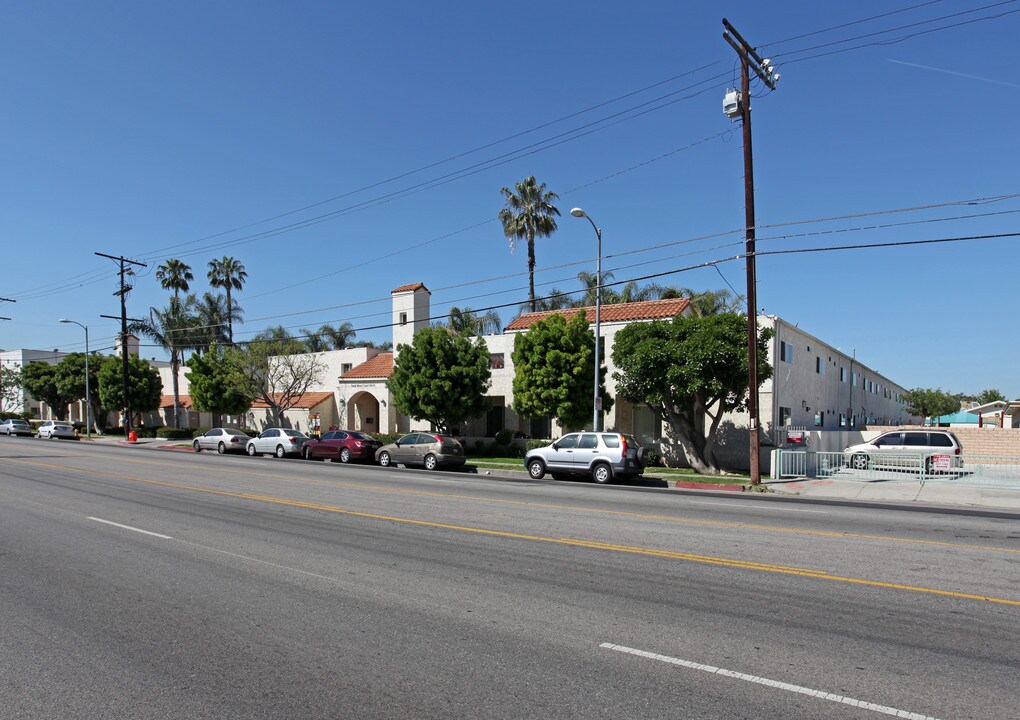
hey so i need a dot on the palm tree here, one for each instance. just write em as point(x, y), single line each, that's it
point(466, 322)
point(227, 273)
point(340, 336)
point(314, 340)
point(174, 275)
point(173, 328)
point(590, 285)
point(528, 214)
point(213, 321)
point(707, 302)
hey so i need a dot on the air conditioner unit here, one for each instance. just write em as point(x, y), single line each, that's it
point(731, 104)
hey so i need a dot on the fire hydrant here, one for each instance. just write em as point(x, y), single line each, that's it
point(132, 437)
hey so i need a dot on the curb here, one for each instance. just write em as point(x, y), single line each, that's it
point(179, 448)
point(708, 486)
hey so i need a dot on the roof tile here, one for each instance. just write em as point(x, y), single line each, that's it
point(305, 401)
point(409, 288)
point(381, 366)
point(617, 312)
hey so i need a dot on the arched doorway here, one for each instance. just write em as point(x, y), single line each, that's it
point(363, 413)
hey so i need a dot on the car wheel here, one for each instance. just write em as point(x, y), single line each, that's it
point(431, 462)
point(308, 453)
point(345, 455)
point(384, 459)
point(860, 462)
point(602, 473)
point(221, 448)
point(280, 452)
point(198, 448)
point(536, 469)
point(251, 450)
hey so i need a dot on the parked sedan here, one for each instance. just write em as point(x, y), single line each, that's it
point(343, 445)
point(222, 440)
point(425, 449)
point(16, 427)
point(278, 441)
point(57, 429)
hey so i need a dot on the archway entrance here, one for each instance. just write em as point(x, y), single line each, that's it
point(363, 413)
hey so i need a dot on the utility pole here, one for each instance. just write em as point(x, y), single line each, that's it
point(739, 106)
point(124, 289)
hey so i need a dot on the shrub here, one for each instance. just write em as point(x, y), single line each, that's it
point(503, 437)
point(114, 431)
point(653, 458)
point(387, 438)
point(199, 431)
point(533, 444)
point(172, 433)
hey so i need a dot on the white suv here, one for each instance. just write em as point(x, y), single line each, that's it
point(601, 456)
point(930, 449)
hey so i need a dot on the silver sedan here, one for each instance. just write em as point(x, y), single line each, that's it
point(278, 441)
point(222, 440)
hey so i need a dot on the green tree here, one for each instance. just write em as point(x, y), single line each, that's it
point(931, 403)
point(528, 214)
point(440, 377)
point(274, 370)
point(11, 394)
point(707, 302)
point(690, 372)
point(145, 389)
point(328, 337)
point(212, 384)
point(70, 377)
point(174, 328)
point(554, 376)
point(227, 273)
point(990, 395)
point(40, 380)
point(467, 322)
point(174, 275)
point(213, 320)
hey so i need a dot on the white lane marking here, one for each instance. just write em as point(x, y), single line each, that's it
point(748, 506)
point(820, 694)
point(261, 562)
point(128, 527)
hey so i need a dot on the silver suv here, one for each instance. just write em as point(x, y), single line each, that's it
point(930, 449)
point(604, 457)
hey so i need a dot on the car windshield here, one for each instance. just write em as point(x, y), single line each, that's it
point(294, 433)
point(232, 431)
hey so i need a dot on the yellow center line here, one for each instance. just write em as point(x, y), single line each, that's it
point(600, 511)
point(609, 547)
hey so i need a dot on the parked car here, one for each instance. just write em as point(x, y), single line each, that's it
point(16, 427)
point(604, 457)
point(56, 429)
point(906, 449)
point(278, 441)
point(222, 440)
point(425, 449)
point(343, 445)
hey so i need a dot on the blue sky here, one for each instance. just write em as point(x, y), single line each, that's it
point(181, 130)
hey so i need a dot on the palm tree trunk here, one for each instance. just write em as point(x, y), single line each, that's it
point(175, 366)
point(531, 270)
point(230, 316)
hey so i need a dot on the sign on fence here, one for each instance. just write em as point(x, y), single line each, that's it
point(941, 462)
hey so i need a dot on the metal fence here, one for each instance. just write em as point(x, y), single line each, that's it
point(922, 467)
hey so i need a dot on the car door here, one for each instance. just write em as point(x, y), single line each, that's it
point(266, 441)
point(406, 449)
point(586, 452)
point(211, 439)
point(561, 453)
point(321, 446)
point(915, 449)
point(889, 450)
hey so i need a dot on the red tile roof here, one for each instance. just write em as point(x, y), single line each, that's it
point(409, 288)
point(617, 312)
point(167, 401)
point(305, 401)
point(381, 366)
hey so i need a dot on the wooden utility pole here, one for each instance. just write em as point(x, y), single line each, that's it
point(749, 60)
point(124, 289)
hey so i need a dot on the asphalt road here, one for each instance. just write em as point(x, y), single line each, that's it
point(147, 584)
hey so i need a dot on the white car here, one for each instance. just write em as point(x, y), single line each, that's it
point(56, 429)
point(16, 427)
point(278, 441)
point(927, 449)
point(222, 440)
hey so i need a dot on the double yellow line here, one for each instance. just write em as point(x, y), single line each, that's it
point(593, 545)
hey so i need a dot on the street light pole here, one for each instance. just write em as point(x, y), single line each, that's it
point(578, 212)
point(88, 395)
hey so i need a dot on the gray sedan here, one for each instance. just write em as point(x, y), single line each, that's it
point(278, 441)
point(222, 440)
point(16, 427)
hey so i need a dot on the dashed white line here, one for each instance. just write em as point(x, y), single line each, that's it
point(819, 694)
point(128, 527)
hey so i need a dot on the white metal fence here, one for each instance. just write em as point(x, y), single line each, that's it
point(921, 467)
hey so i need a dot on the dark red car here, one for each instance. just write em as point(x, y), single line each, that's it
point(343, 445)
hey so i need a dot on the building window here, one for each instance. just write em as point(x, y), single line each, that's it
point(785, 415)
point(403, 318)
point(345, 368)
point(819, 365)
point(842, 375)
point(819, 419)
point(786, 352)
point(497, 361)
point(842, 420)
point(855, 379)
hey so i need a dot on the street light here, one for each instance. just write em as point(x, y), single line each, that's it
point(88, 396)
point(578, 212)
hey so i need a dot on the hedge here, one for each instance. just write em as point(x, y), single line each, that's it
point(172, 433)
